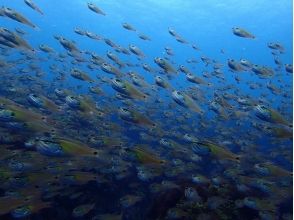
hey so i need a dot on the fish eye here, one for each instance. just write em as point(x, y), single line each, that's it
point(95, 153)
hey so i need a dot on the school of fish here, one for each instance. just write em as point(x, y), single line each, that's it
point(91, 137)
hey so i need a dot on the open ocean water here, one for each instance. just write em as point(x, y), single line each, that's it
point(146, 110)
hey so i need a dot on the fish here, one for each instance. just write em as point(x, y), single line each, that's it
point(235, 66)
point(108, 68)
point(14, 15)
point(276, 46)
point(78, 74)
point(263, 71)
point(82, 210)
point(79, 31)
point(68, 45)
point(289, 68)
point(46, 48)
point(135, 50)
point(144, 37)
point(129, 200)
point(135, 117)
point(186, 101)
point(215, 150)
point(115, 59)
point(42, 102)
point(194, 79)
point(270, 115)
point(91, 35)
point(271, 169)
point(95, 9)
point(127, 89)
point(11, 39)
point(242, 33)
point(166, 66)
point(147, 157)
point(32, 5)
point(61, 147)
point(91, 128)
point(162, 83)
point(128, 27)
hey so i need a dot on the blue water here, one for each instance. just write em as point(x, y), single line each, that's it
point(207, 24)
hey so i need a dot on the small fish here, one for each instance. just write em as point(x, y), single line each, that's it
point(166, 66)
point(43, 102)
point(270, 115)
point(78, 74)
point(95, 9)
point(215, 150)
point(242, 33)
point(270, 169)
point(108, 68)
point(11, 39)
point(289, 68)
point(129, 200)
point(194, 79)
point(135, 117)
point(162, 83)
point(147, 68)
point(46, 48)
point(82, 210)
point(127, 89)
point(246, 63)
point(92, 35)
point(263, 71)
point(276, 46)
point(68, 44)
point(235, 65)
point(135, 50)
point(172, 32)
point(169, 51)
point(115, 59)
point(32, 5)
point(11, 13)
point(259, 204)
point(147, 157)
point(186, 101)
point(128, 27)
point(144, 37)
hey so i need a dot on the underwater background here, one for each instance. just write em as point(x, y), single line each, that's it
point(154, 109)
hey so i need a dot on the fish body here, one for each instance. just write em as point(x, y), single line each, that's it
point(32, 5)
point(186, 101)
point(11, 13)
point(95, 9)
point(242, 33)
